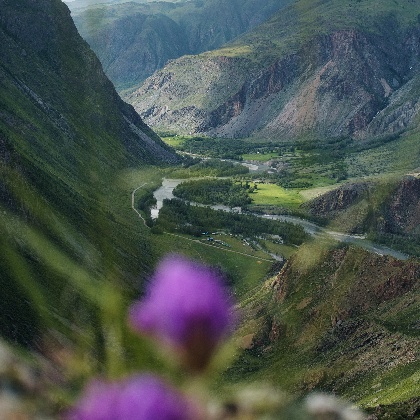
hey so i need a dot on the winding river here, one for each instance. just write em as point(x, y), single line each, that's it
point(166, 192)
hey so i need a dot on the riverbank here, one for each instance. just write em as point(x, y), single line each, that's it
point(166, 192)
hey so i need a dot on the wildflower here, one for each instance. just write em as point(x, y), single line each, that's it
point(188, 307)
point(143, 397)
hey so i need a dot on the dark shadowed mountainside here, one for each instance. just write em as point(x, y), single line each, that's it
point(65, 135)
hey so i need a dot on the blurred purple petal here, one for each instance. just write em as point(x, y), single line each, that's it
point(141, 397)
point(188, 306)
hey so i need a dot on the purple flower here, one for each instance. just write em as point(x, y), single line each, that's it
point(141, 397)
point(186, 306)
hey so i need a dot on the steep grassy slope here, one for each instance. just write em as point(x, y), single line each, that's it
point(340, 320)
point(315, 69)
point(65, 135)
point(134, 40)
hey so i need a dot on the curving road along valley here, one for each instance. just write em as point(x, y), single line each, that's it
point(166, 192)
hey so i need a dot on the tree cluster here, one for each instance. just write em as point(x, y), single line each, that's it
point(232, 149)
point(214, 191)
point(194, 167)
point(177, 215)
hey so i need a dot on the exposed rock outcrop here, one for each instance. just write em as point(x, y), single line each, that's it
point(332, 203)
point(349, 82)
point(403, 211)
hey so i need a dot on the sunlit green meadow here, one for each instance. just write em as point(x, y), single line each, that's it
point(174, 141)
point(260, 157)
point(271, 194)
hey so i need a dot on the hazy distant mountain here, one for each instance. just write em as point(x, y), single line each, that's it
point(80, 4)
point(133, 40)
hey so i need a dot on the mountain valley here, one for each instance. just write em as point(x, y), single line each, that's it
point(133, 40)
point(296, 110)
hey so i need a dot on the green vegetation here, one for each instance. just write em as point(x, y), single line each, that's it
point(260, 157)
point(243, 267)
point(174, 141)
point(393, 158)
point(239, 194)
point(237, 149)
point(326, 327)
point(220, 148)
point(306, 164)
point(74, 254)
point(193, 168)
point(399, 385)
point(211, 191)
point(279, 249)
point(69, 254)
point(177, 215)
point(271, 194)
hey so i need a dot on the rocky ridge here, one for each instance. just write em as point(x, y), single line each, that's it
point(403, 210)
point(391, 209)
point(352, 81)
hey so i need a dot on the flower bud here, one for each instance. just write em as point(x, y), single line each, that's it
point(188, 307)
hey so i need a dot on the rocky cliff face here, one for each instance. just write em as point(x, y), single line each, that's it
point(402, 213)
point(348, 82)
point(334, 202)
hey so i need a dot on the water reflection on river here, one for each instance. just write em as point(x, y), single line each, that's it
point(164, 192)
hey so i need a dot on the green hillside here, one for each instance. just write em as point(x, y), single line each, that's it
point(76, 161)
point(304, 19)
point(65, 137)
point(337, 320)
